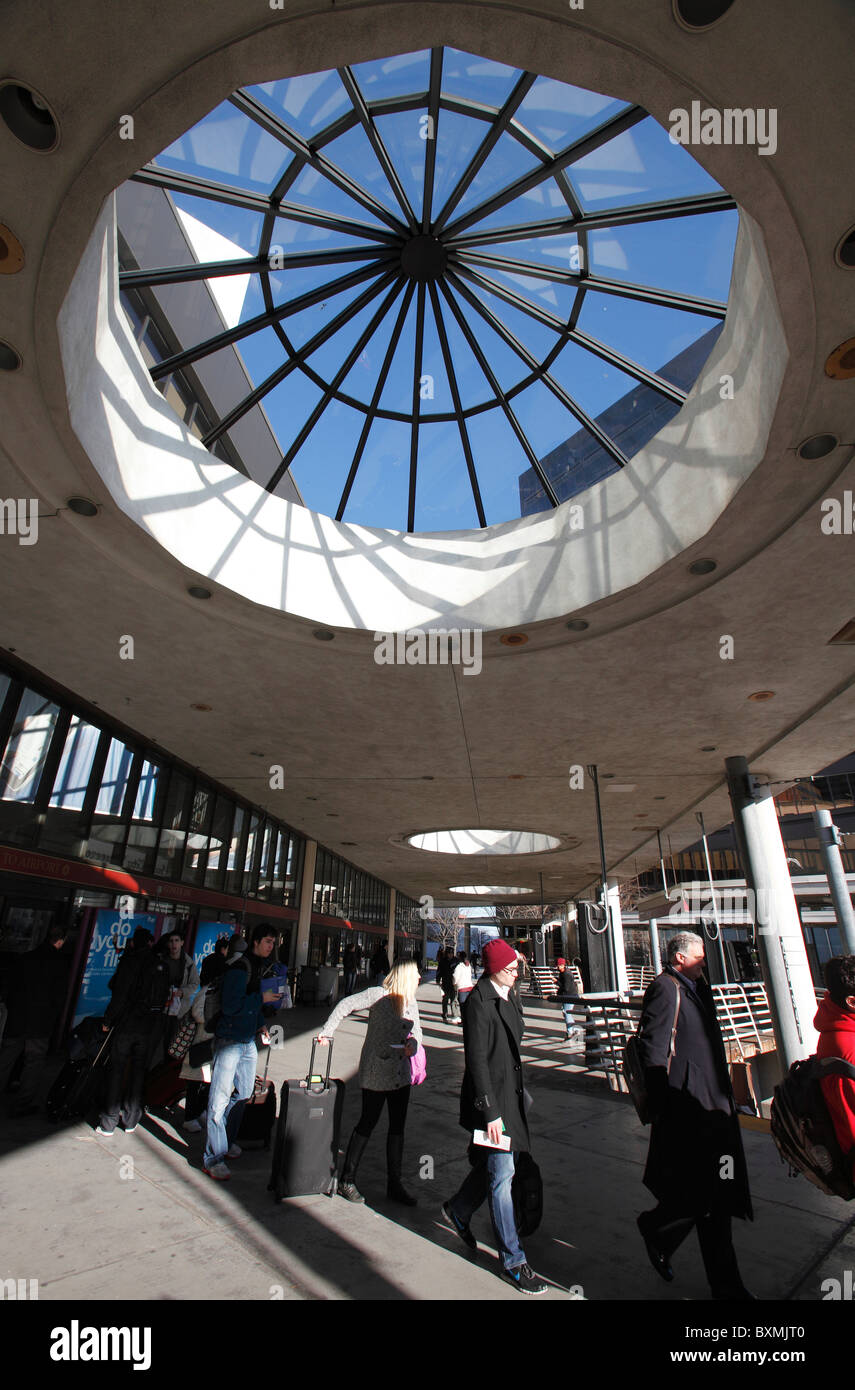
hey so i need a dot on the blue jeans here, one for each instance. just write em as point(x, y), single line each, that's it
point(491, 1177)
point(232, 1084)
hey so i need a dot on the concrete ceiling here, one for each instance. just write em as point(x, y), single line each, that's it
point(372, 753)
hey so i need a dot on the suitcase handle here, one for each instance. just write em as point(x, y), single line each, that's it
point(312, 1064)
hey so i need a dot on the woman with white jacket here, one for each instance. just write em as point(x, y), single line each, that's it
point(394, 1034)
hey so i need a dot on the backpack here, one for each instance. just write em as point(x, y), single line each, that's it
point(213, 1006)
point(803, 1130)
point(154, 984)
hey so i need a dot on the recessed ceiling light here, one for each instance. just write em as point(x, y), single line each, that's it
point(333, 815)
point(197, 591)
point(606, 775)
point(11, 252)
point(577, 625)
point(516, 776)
point(703, 566)
point(256, 755)
point(818, 446)
point(762, 695)
point(82, 506)
point(658, 798)
point(514, 639)
point(10, 360)
point(311, 798)
point(709, 748)
point(28, 116)
point(323, 634)
point(700, 14)
point(352, 843)
point(427, 777)
point(202, 708)
point(844, 252)
point(841, 362)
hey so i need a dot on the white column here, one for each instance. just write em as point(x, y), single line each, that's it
point(622, 981)
point(390, 945)
point(307, 893)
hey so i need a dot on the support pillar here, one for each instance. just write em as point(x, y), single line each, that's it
point(781, 945)
point(655, 953)
point(307, 894)
point(618, 944)
point(829, 847)
point(390, 941)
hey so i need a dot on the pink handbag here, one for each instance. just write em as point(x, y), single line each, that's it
point(418, 1066)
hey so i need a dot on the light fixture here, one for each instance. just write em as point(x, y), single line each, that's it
point(840, 365)
point(577, 625)
point(514, 639)
point(709, 748)
point(760, 695)
point(700, 14)
point(82, 506)
point(203, 709)
point(818, 446)
point(10, 359)
point(844, 251)
point(323, 634)
point(703, 566)
point(197, 591)
point(11, 252)
point(28, 116)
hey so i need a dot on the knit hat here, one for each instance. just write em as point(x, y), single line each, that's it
point(496, 955)
point(560, 961)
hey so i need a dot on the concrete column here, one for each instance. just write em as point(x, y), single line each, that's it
point(424, 942)
point(655, 953)
point(829, 847)
point(307, 893)
point(621, 979)
point(781, 945)
point(390, 943)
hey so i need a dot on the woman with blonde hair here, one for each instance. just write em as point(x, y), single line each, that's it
point(393, 1037)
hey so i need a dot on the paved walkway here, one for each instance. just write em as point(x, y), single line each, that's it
point(135, 1217)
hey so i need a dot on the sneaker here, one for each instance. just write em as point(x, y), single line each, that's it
point(235, 1151)
point(129, 1129)
point(463, 1231)
point(219, 1171)
point(524, 1278)
point(192, 1126)
point(105, 1133)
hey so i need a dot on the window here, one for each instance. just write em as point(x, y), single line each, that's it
point(114, 780)
point(27, 749)
point(75, 766)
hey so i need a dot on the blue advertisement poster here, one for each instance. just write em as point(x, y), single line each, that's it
point(206, 938)
point(111, 931)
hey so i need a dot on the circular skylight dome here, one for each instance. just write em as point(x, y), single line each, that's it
point(462, 293)
point(482, 890)
point(483, 842)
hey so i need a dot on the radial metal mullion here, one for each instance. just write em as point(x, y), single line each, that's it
point(378, 392)
point(352, 356)
point(488, 144)
point(515, 300)
point(433, 124)
point(181, 274)
point(692, 206)
point(628, 366)
point(568, 193)
point(609, 130)
point(196, 187)
point(297, 213)
point(569, 402)
point(414, 426)
point(353, 91)
point(501, 398)
point(458, 405)
point(266, 386)
point(512, 267)
point(518, 231)
point(265, 320)
point(625, 289)
point(266, 120)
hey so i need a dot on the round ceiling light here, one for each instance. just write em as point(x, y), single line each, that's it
point(817, 447)
point(760, 695)
point(700, 14)
point(28, 116)
point(841, 362)
point(203, 709)
point(577, 625)
point(483, 842)
point(322, 634)
point(10, 360)
point(702, 566)
point(480, 889)
point(82, 506)
point(514, 639)
point(844, 252)
point(197, 591)
point(11, 252)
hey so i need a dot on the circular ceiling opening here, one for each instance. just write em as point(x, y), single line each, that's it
point(28, 116)
point(483, 842)
point(481, 889)
point(463, 293)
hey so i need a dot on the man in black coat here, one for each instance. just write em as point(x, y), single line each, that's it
point(492, 1099)
point(140, 992)
point(695, 1165)
point(35, 986)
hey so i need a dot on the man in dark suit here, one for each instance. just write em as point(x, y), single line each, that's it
point(492, 1099)
point(695, 1165)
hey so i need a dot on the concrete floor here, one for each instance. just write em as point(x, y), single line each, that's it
point(135, 1217)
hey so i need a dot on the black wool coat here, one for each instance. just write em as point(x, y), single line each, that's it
point(695, 1159)
point(493, 1081)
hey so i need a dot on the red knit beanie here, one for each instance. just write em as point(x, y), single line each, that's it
point(496, 955)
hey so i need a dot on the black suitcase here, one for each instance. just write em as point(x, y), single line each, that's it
point(259, 1112)
point(80, 1085)
point(305, 1153)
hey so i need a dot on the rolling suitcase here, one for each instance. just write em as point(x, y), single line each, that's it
point(80, 1085)
point(305, 1153)
point(259, 1112)
point(164, 1084)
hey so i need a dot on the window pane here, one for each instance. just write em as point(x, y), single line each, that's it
point(219, 840)
point(72, 778)
point(28, 747)
point(114, 779)
point(146, 792)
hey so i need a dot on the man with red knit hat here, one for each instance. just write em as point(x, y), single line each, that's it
point(492, 1099)
point(835, 1023)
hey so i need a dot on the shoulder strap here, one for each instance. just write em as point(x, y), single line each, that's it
point(672, 1045)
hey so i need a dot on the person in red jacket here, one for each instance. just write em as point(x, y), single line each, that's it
point(835, 1023)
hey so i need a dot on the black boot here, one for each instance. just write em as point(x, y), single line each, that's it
point(395, 1191)
point(347, 1187)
